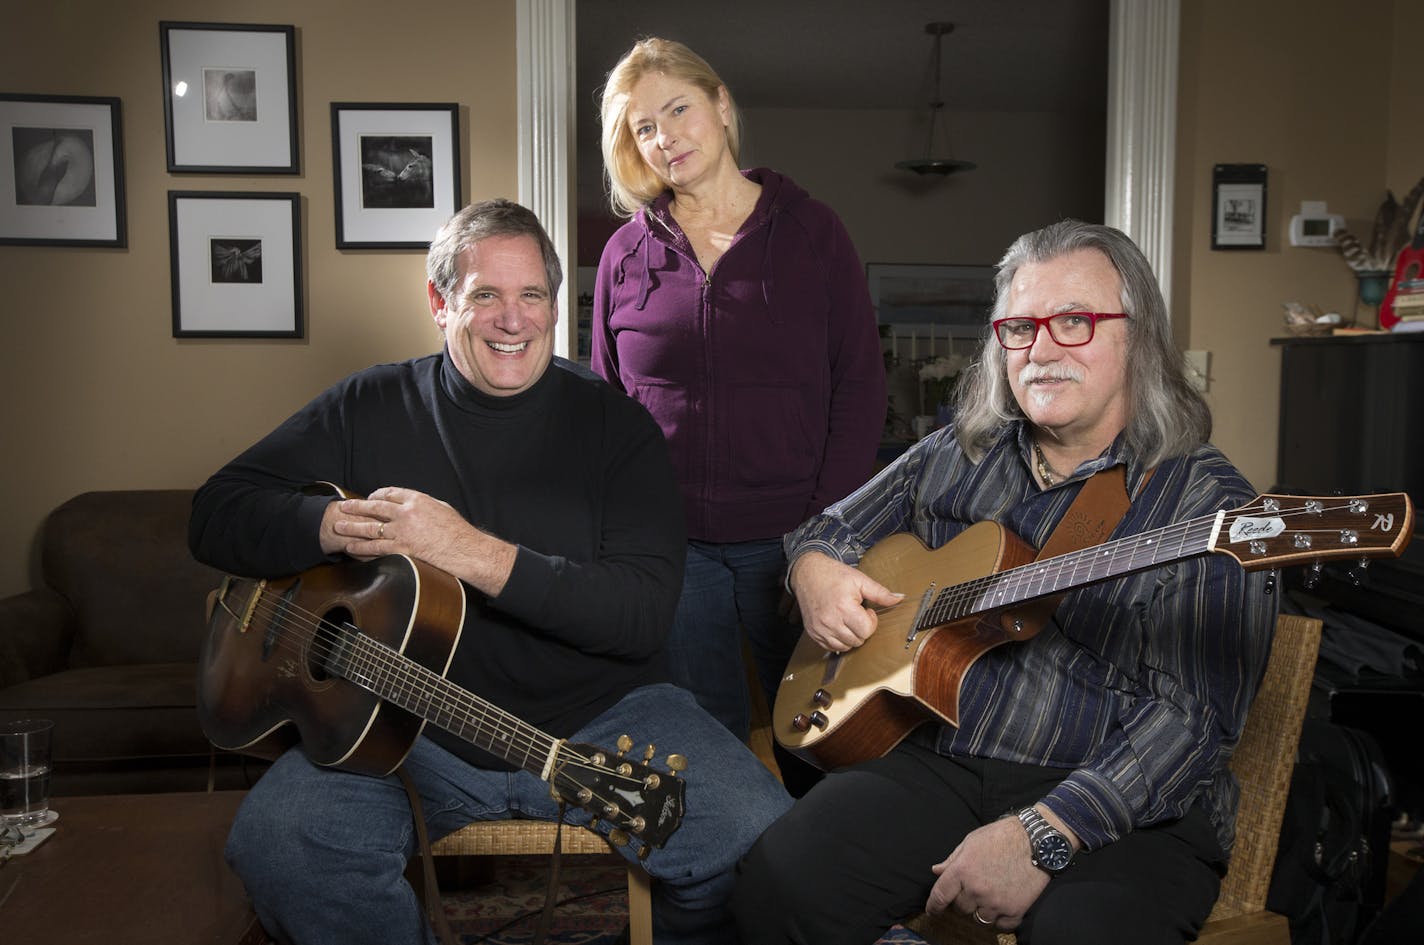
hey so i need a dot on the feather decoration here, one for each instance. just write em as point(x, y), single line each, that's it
point(1389, 236)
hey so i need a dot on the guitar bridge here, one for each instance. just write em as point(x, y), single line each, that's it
point(925, 600)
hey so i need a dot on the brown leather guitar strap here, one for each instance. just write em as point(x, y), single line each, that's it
point(434, 910)
point(1095, 512)
point(1099, 506)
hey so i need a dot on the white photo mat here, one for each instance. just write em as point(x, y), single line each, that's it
point(269, 306)
point(262, 138)
point(361, 226)
point(36, 131)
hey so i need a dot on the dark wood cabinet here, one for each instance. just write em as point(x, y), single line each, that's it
point(1352, 415)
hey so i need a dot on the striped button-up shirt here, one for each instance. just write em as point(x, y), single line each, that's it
point(1139, 686)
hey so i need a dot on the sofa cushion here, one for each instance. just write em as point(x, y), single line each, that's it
point(115, 713)
point(121, 559)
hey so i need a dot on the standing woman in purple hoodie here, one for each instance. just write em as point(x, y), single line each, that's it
point(734, 307)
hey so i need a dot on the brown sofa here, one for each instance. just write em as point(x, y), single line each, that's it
point(108, 645)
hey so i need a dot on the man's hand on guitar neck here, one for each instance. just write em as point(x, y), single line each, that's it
point(403, 521)
point(837, 601)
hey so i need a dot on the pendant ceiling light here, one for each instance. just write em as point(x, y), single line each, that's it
point(929, 164)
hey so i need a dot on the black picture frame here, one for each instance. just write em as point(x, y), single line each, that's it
point(229, 98)
point(235, 264)
point(1238, 206)
point(62, 171)
point(395, 170)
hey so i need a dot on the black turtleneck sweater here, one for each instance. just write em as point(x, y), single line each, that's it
point(572, 471)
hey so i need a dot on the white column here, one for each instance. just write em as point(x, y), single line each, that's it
point(545, 31)
point(1142, 127)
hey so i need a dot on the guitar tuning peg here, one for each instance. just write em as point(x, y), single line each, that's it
point(1312, 575)
point(1270, 586)
point(676, 763)
point(624, 743)
point(1357, 574)
point(649, 752)
point(617, 837)
point(643, 851)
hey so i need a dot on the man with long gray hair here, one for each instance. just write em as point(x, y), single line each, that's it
point(1084, 795)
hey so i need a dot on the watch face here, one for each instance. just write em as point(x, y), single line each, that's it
point(1053, 852)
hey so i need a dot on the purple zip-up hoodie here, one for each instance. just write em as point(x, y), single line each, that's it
point(765, 374)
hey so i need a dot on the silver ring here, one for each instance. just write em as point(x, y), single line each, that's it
point(981, 920)
point(381, 532)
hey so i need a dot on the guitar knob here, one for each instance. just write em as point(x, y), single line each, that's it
point(624, 743)
point(822, 698)
point(677, 763)
point(818, 719)
point(801, 722)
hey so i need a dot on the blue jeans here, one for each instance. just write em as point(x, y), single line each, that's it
point(727, 590)
point(323, 852)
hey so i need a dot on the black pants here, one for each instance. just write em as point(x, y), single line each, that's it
point(853, 857)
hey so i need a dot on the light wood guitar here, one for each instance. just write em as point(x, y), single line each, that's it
point(985, 588)
point(352, 655)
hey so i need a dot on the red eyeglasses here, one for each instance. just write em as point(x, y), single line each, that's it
point(1068, 329)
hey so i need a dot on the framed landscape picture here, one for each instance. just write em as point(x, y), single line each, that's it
point(396, 170)
point(229, 98)
point(61, 171)
point(236, 264)
point(925, 310)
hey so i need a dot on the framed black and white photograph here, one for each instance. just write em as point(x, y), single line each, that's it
point(397, 172)
point(236, 264)
point(1238, 211)
point(61, 171)
point(229, 98)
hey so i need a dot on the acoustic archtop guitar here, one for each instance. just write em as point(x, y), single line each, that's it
point(985, 588)
point(353, 655)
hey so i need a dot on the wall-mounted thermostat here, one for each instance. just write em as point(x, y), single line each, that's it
point(1313, 226)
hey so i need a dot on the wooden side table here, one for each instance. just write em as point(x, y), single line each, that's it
point(130, 868)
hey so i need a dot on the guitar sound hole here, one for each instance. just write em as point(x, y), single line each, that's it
point(327, 654)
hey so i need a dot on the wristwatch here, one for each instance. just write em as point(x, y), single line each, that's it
point(1051, 850)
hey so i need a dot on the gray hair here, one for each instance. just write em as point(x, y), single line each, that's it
point(479, 221)
point(1169, 418)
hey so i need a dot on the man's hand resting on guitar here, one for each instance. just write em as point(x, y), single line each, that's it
point(837, 601)
point(991, 874)
point(402, 521)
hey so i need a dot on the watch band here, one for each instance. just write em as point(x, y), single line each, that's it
point(1050, 850)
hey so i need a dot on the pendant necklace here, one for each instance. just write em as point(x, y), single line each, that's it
point(1045, 471)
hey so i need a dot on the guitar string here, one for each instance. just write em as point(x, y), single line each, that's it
point(573, 758)
point(1029, 580)
point(479, 711)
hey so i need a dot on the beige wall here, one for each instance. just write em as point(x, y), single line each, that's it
point(1323, 93)
point(95, 393)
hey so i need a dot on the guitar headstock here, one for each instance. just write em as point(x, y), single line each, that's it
point(1273, 531)
point(640, 801)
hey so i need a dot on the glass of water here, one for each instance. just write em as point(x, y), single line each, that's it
point(24, 773)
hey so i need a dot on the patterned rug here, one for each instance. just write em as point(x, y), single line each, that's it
point(592, 910)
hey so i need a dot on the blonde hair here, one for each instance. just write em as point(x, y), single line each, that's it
point(632, 185)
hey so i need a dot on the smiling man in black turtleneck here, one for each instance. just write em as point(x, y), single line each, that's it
point(551, 496)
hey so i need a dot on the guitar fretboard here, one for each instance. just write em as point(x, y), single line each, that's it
point(1074, 569)
point(377, 668)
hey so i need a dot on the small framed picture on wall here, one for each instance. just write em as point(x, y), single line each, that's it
point(1238, 211)
point(235, 264)
point(61, 171)
point(396, 170)
point(229, 98)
